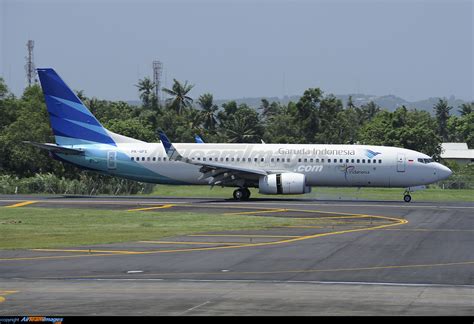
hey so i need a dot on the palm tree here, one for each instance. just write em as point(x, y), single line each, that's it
point(442, 115)
point(147, 95)
point(370, 110)
point(194, 120)
point(208, 111)
point(466, 108)
point(239, 131)
point(180, 99)
point(243, 127)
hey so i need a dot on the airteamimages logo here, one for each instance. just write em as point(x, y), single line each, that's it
point(38, 319)
point(370, 154)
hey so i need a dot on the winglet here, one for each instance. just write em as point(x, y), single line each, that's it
point(198, 139)
point(169, 148)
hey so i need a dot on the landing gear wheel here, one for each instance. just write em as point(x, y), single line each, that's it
point(407, 198)
point(239, 194)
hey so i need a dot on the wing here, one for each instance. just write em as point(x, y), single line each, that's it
point(56, 148)
point(216, 173)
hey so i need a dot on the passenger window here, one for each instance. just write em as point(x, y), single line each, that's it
point(164, 159)
point(363, 160)
point(148, 159)
point(341, 160)
point(143, 158)
point(352, 160)
point(227, 159)
point(132, 158)
point(262, 159)
point(322, 160)
point(159, 158)
point(299, 160)
point(347, 160)
point(311, 160)
point(368, 161)
point(154, 159)
point(380, 161)
point(358, 160)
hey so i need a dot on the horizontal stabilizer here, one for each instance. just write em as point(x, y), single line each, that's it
point(56, 148)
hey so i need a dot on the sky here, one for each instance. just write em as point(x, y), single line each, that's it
point(234, 49)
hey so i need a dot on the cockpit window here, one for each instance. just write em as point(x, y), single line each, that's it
point(425, 161)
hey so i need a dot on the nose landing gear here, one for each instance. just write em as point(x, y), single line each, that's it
point(407, 196)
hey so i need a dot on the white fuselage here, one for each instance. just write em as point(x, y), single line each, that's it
point(322, 164)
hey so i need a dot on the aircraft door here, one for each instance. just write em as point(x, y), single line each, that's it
point(401, 161)
point(111, 160)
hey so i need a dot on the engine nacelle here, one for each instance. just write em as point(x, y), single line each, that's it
point(283, 184)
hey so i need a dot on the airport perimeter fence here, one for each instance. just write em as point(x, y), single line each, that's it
point(86, 185)
point(456, 181)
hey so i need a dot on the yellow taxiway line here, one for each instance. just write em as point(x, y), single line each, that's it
point(151, 208)
point(4, 293)
point(192, 243)
point(24, 203)
point(243, 235)
point(83, 251)
point(265, 211)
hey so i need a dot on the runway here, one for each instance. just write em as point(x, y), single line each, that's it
point(358, 258)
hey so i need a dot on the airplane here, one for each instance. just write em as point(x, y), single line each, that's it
point(275, 169)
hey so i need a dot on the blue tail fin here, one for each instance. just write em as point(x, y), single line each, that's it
point(71, 121)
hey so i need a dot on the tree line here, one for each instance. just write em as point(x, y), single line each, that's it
point(314, 118)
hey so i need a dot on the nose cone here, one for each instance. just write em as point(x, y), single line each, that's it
point(443, 171)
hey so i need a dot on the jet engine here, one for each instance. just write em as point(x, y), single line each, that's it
point(283, 184)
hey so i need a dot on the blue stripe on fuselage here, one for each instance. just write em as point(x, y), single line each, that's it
point(95, 159)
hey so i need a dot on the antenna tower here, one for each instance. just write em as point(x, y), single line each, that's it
point(30, 64)
point(157, 72)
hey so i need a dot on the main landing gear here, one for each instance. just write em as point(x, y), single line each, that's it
point(241, 194)
point(406, 196)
